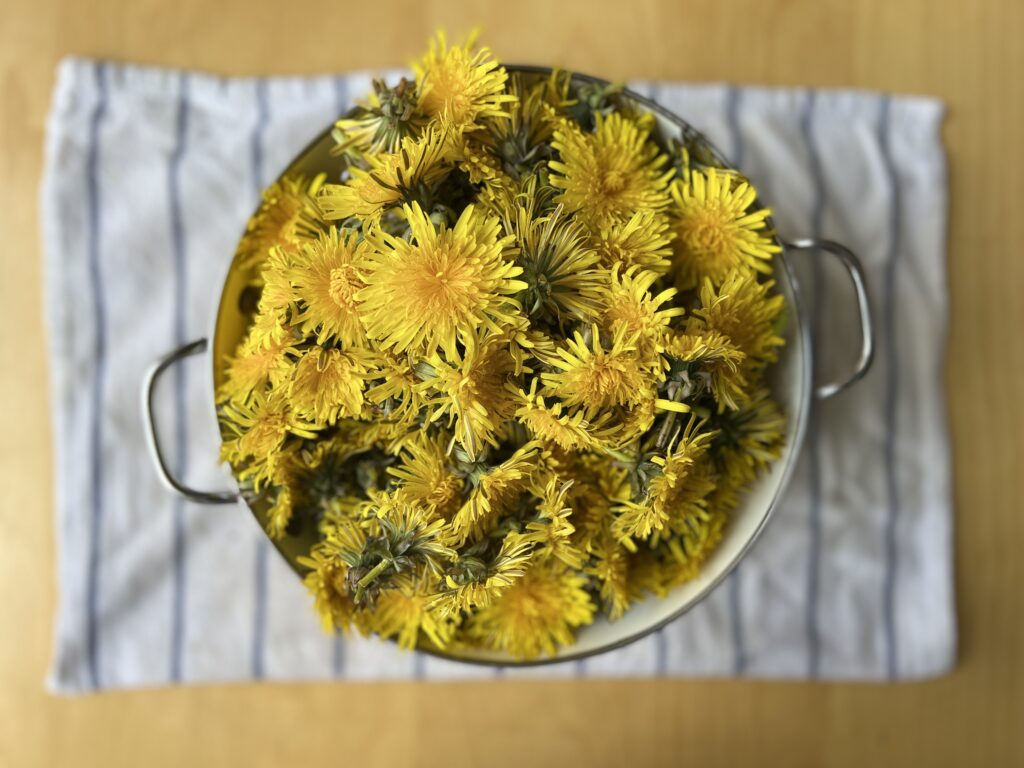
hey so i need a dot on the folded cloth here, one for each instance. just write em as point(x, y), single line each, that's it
point(150, 177)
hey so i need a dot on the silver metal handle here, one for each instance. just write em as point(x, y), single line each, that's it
point(867, 347)
point(149, 419)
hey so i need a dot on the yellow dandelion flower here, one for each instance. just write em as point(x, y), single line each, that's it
point(280, 513)
point(406, 609)
point(536, 614)
point(326, 580)
point(551, 533)
point(598, 483)
point(644, 240)
point(395, 390)
point(715, 229)
point(496, 490)
point(425, 475)
point(390, 180)
point(744, 310)
point(327, 384)
point(470, 391)
point(471, 582)
point(257, 363)
point(459, 86)
point(390, 115)
point(276, 294)
point(610, 566)
point(260, 427)
point(749, 438)
point(474, 155)
point(442, 285)
point(595, 378)
point(325, 279)
point(675, 495)
point(719, 358)
point(520, 141)
point(608, 175)
point(570, 431)
point(629, 302)
point(287, 217)
point(558, 269)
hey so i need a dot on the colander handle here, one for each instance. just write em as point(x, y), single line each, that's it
point(867, 345)
point(149, 419)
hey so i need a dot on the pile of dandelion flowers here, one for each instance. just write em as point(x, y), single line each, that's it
point(439, 286)
point(716, 230)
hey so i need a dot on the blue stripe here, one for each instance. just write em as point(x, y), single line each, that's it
point(660, 652)
point(732, 117)
point(579, 668)
point(259, 620)
point(419, 665)
point(180, 383)
point(92, 578)
point(892, 393)
point(338, 659)
point(341, 97)
point(259, 625)
point(813, 435)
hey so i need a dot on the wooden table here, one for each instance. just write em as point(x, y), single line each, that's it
point(967, 52)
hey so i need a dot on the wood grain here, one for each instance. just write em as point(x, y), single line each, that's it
point(968, 53)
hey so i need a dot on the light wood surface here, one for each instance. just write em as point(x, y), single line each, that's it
point(968, 52)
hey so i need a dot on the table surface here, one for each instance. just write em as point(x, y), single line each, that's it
point(967, 52)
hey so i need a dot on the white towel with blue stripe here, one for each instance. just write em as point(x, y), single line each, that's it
point(150, 177)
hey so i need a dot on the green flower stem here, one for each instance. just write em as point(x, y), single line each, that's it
point(376, 571)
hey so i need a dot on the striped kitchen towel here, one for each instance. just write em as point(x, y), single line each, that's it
point(150, 177)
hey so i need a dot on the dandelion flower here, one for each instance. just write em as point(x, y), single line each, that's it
point(426, 478)
point(608, 175)
point(743, 310)
point(260, 427)
point(715, 229)
point(536, 614)
point(749, 438)
point(405, 610)
point(557, 268)
point(644, 240)
point(718, 358)
point(327, 384)
point(610, 566)
point(594, 378)
point(549, 424)
point(390, 180)
point(326, 280)
point(286, 218)
point(470, 391)
point(472, 581)
point(628, 302)
point(441, 285)
point(677, 492)
point(256, 364)
point(496, 490)
point(326, 580)
point(459, 86)
point(379, 127)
